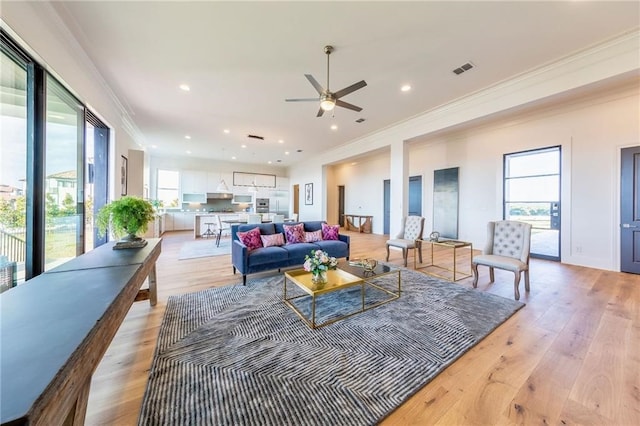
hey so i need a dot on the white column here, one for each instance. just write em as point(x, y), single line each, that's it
point(399, 175)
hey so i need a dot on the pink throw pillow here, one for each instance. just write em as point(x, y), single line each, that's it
point(251, 238)
point(330, 232)
point(294, 233)
point(314, 236)
point(272, 240)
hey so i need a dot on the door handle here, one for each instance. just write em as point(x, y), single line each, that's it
point(627, 225)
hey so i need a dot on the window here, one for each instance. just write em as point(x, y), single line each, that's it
point(13, 162)
point(168, 187)
point(532, 195)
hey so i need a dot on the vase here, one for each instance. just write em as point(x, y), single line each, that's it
point(320, 277)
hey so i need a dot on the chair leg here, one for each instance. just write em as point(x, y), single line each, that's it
point(491, 275)
point(420, 252)
point(387, 252)
point(474, 267)
point(218, 238)
point(516, 284)
point(526, 280)
point(404, 256)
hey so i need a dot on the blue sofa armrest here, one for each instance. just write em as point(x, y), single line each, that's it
point(240, 257)
point(345, 238)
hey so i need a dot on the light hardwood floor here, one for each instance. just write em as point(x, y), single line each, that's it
point(571, 356)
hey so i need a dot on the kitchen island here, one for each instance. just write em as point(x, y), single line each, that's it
point(200, 219)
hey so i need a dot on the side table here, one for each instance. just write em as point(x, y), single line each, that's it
point(447, 269)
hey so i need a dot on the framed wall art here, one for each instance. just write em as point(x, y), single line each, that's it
point(308, 194)
point(123, 175)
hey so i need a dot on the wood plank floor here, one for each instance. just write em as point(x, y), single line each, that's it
point(571, 356)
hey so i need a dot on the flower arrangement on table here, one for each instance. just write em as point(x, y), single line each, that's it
point(318, 263)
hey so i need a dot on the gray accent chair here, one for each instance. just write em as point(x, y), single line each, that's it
point(407, 239)
point(508, 245)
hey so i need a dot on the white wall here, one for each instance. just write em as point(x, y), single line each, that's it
point(591, 131)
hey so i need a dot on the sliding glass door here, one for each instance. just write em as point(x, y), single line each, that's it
point(13, 162)
point(64, 233)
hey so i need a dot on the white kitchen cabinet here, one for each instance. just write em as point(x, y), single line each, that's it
point(194, 182)
point(183, 221)
point(167, 219)
point(282, 183)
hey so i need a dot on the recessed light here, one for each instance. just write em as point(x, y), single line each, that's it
point(227, 131)
point(299, 150)
point(188, 152)
point(154, 146)
point(268, 162)
point(334, 127)
point(233, 158)
point(185, 87)
point(187, 137)
point(244, 146)
point(354, 163)
point(286, 153)
point(280, 141)
point(405, 88)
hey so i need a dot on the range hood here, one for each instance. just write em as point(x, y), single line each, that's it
point(219, 195)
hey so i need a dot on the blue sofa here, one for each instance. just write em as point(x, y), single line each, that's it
point(268, 258)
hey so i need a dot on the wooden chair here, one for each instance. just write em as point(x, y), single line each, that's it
point(411, 231)
point(508, 245)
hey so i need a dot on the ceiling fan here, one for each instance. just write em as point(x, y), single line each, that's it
point(328, 99)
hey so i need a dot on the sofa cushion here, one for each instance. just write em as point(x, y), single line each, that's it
point(272, 240)
point(330, 232)
point(251, 238)
point(265, 228)
point(263, 255)
point(313, 225)
point(313, 236)
point(300, 250)
point(294, 233)
point(334, 248)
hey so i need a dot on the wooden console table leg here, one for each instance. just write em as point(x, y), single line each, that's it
point(153, 287)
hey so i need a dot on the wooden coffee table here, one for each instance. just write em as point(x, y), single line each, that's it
point(337, 279)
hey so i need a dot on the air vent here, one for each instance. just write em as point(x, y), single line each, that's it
point(463, 68)
point(256, 137)
point(360, 120)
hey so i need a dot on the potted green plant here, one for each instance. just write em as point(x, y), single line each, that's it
point(126, 218)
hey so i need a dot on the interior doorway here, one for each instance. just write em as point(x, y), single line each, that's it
point(296, 199)
point(629, 211)
point(341, 205)
point(415, 200)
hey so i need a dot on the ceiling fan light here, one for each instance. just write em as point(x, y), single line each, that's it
point(327, 104)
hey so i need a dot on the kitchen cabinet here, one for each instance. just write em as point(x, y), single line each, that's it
point(167, 220)
point(194, 182)
point(248, 179)
point(183, 221)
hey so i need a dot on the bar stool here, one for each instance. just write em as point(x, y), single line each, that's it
point(208, 233)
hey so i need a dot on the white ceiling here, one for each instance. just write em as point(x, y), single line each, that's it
point(242, 59)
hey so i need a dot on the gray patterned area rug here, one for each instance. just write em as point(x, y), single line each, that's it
point(237, 355)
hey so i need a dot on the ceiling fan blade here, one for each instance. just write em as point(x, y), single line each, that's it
point(314, 83)
point(320, 112)
point(352, 88)
point(303, 100)
point(347, 105)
